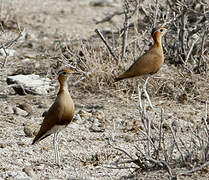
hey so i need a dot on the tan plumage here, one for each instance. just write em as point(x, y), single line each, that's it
point(60, 113)
point(151, 61)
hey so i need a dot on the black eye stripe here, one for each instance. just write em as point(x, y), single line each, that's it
point(62, 72)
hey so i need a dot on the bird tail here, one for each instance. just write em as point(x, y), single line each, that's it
point(122, 76)
point(39, 138)
point(117, 79)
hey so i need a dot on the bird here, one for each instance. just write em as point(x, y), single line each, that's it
point(59, 115)
point(151, 61)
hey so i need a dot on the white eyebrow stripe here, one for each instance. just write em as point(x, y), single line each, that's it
point(60, 72)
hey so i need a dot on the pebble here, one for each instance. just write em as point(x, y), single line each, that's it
point(19, 111)
point(97, 127)
point(29, 171)
point(84, 114)
point(31, 84)
point(9, 110)
point(28, 131)
point(99, 114)
point(2, 145)
point(26, 107)
point(9, 52)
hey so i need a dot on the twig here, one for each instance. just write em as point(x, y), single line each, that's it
point(125, 31)
point(161, 164)
point(195, 169)
point(125, 167)
point(117, 148)
point(175, 142)
point(9, 43)
point(203, 41)
point(160, 133)
point(183, 29)
point(6, 45)
point(107, 45)
point(205, 119)
point(141, 104)
point(85, 75)
point(109, 17)
point(149, 140)
point(6, 56)
point(190, 50)
point(207, 131)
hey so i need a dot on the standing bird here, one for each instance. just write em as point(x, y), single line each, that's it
point(148, 63)
point(59, 114)
point(151, 61)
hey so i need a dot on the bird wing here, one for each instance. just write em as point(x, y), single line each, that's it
point(53, 116)
point(148, 63)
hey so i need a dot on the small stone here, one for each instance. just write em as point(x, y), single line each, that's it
point(31, 84)
point(2, 145)
point(29, 171)
point(26, 107)
point(84, 114)
point(175, 125)
point(96, 128)
point(7, 52)
point(10, 178)
point(166, 125)
point(99, 114)
point(19, 111)
point(28, 131)
point(9, 110)
point(182, 98)
point(102, 3)
point(128, 138)
point(90, 119)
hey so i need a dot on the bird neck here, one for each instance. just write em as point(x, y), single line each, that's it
point(157, 40)
point(63, 87)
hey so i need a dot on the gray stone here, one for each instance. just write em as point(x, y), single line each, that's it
point(8, 52)
point(28, 131)
point(102, 3)
point(9, 110)
point(31, 84)
point(19, 111)
point(29, 171)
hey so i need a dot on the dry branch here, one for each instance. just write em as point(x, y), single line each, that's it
point(107, 45)
point(109, 17)
point(6, 45)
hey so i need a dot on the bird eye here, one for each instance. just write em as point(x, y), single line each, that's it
point(64, 73)
point(161, 30)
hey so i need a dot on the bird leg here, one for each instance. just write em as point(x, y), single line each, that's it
point(140, 97)
point(146, 93)
point(56, 149)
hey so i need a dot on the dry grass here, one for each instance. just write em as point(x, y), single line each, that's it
point(186, 58)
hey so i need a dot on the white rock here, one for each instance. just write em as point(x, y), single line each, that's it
point(10, 52)
point(19, 111)
point(32, 82)
point(9, 109)
point(19, 175)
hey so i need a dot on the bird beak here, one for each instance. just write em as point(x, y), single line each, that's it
point(77, 73)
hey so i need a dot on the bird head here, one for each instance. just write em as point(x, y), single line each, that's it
point(158, 32)
point(64, 74)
